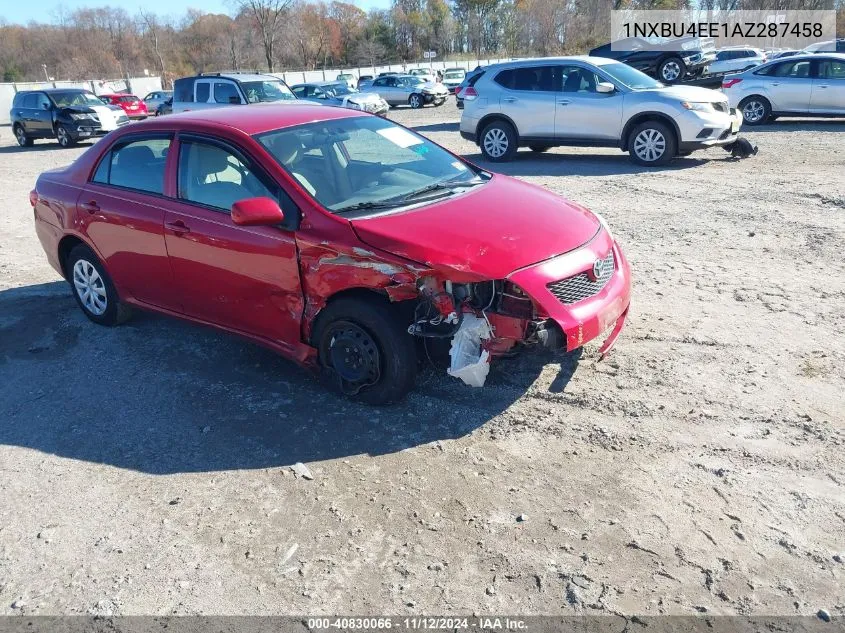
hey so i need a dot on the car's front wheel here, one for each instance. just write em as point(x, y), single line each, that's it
point(416, 101)
point(366, 350)
point(21, 137)
point(93, 288)
point(652, 143)
point(755, 110)
point(498, 141)
point(63, 136)
point(671, 70)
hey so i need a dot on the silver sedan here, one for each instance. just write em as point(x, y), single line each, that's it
point(408, 89)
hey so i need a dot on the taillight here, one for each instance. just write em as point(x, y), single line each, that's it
point(727, 83)
point(33, 197)
point(469, 93)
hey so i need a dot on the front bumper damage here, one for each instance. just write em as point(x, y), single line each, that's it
point(481, 334)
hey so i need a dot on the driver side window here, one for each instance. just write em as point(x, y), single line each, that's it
point(213, 176)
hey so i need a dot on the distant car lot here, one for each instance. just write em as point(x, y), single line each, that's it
point(708, 448)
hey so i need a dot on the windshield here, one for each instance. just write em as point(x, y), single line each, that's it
point(76, 98)
point(361, 161)
point(454, 74)
point(339, 90)
point(630, 77)
point(260, 91)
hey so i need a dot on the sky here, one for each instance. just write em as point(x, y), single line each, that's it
point(15, 11)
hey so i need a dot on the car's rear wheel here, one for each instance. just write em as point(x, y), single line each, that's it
point(539, 148)
point(63, 136)
point(93, 288)
point(498, 141)
point(21, 137)
point(366, 350)
point(755, 110)
point(671, 70)
point(652, 143)
point(416, 101)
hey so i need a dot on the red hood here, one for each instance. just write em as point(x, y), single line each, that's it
point(485, 233)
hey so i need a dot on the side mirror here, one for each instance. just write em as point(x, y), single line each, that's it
point(46, 106)
point(605, 87)
point(260, 211)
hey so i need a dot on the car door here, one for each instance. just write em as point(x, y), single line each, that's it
point(27, 112)
point(828, 95)
point(790, 86)
point(583, 113)
point(122, 211)
point(529, 98)
point(388, 90)
point(202, 94)
point(244, 278)
point(42, 115)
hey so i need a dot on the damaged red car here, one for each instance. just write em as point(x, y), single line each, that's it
point(339, 239)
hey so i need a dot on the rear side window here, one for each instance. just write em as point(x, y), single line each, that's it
point(225, 92)
point(203, 92)
point(832, 69)
point(30, 101)
point(183, 90)
point(530, 78)
point(135, 165)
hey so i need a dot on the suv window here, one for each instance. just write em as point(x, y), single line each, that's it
point(577, 79)
point(831, 69)
point(203, 89)
point(30, 101)
point(299, 91)
point(380, 82)
point(183, 90)
point(215, 177)
point(531, 78)
point(135, 165)
point(41, 101)
point(226, 92)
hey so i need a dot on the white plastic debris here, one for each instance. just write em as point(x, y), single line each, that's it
point(470, 363)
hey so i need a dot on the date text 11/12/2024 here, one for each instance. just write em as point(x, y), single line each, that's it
point(418, 623)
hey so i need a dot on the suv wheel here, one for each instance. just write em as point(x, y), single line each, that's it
point(21, 137)
point(498, 142)
point(652, 143)
point(755, 110)
point(671, 70)
point(416, 101)
point(63, 136)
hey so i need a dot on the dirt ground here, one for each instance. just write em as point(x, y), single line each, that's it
point(700, 468)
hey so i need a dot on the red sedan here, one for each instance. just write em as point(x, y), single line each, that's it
point(339, 239)
point(131, 105)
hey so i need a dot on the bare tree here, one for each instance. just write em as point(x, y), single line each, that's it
point(267, 16)
point(151, 30)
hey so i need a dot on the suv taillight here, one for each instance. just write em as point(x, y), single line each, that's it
point(727, 83)
point(469, 93)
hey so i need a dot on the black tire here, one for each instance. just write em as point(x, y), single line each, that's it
point(416, 101)
point(671, 70)
point(21, 137)
point(539, 148)
point(114, 312)
point(63, 136)
point(502, 137)
point(379, 365)
point(656, 135)
point(755, 110)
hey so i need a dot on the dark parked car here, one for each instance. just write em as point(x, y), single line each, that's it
point(66, 114)
point(165, 108)
point(669, 61)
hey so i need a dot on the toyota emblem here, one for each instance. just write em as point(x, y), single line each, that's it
point(598, 269)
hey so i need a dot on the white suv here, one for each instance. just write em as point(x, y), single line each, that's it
point(591, 101)
point(736, 59)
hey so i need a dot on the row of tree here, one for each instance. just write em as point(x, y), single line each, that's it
point(306, 34)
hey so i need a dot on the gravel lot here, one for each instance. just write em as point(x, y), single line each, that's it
point(701, 467)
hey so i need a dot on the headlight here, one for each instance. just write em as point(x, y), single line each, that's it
point(81, 116)
point(697, 106)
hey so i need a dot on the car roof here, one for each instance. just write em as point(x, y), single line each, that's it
point(49, 90)
point(586, 59)
point(236, 76)
point(257, 118)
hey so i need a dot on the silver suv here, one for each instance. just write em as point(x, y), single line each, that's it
point(591, 101)
point(217, 90)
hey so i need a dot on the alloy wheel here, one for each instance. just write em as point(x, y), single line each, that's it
point(753, 111)
point(496, 142)
point(415, 101)
point(671, 71)
point(62, 136)
point(90, 287)
point(649, 145)
point(20, 135)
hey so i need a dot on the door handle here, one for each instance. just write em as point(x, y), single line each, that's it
point(91, 206)
point(775, 83)
point(509, 99)
point(565, 101)
point(822, 86)
point(178, 227)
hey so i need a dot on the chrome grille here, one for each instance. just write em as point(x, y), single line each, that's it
point(581, 286)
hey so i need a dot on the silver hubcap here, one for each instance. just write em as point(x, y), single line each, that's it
point(89, 287)
point(21, 136)
point(753, 111)
point(415, 102)
point(62, 135)
point(649, 145)
point(671, 71)
point(495, 143)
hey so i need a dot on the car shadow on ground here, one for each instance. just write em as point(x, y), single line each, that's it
point(555, 163)
point(437, 127)
point(40, 147)
point(161, 396)
point(798, 125)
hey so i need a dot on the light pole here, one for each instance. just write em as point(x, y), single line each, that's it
point(44, 68)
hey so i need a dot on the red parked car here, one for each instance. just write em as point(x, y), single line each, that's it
point(132, 105)
point(337, 238)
